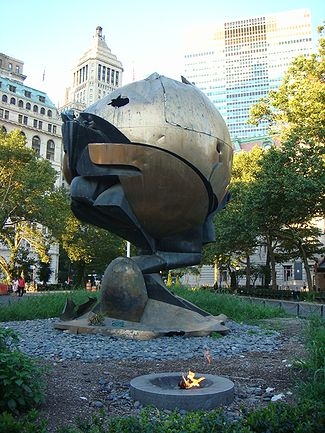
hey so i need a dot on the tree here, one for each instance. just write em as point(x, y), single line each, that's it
point(236, 235)
point(26, 184)
point(297, 108)
point(288, 192)
point(290, 186)
point(89, 249)
point(301, 242)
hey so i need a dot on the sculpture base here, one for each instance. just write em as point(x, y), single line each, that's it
point(137, 305)
point(159, 319)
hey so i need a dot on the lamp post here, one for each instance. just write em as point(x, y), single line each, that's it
point(237, 277)
point(33, 268)
point(128, 249)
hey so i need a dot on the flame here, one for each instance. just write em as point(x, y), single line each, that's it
point(190, 381)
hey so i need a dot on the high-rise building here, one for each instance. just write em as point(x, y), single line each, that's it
point(241, 60)
point(34, 114)
point(97, 73)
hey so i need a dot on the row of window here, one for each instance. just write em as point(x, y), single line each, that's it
point(28, 105)
point(104, 73)
point(36, 146)
point(50, 147)
point(24, 120)
point(108, 75)
point(27, 93)
point(10, 67)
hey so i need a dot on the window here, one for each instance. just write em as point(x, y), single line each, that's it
point(54, 129)
point(25, 120)
point(28, 94)
point(50, 150)
point(20, 118)
point(13, 101)
point(36, 145)
point(10, 66)
point(49, 127)
point(28, 106)
point(42, 110)
point(40, 124)
point(12, 88)
point(35, 123)
point(49, 113)
point(35, 109)
point(4, 98)
point(20, 103)
point(17, 69)
point(41, 98)
point(287, 272)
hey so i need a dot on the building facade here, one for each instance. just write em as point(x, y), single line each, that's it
point(238, 62)
point(32, 112)
point(97, 73)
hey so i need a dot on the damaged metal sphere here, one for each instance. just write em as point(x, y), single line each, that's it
point(151, 162)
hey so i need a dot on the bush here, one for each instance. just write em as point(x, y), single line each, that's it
point(26, 424)
point(21, 382)
point(306, 417)
point(314, 365)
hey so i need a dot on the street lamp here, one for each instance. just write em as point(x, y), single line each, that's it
point(237, 276)
point(33, 268)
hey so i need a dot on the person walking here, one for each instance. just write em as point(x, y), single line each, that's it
point(15, 286)
point(21, 286)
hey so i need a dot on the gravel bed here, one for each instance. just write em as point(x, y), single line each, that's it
point(39, 338)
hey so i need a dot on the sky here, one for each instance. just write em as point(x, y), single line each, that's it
point(50, 36)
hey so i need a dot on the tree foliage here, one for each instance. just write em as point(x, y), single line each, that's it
point(276, 193)
point(297, 108)
point(26, 184)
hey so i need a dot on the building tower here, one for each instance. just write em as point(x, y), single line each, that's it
point(31, 111)
point(240, 61)
point(97, 73)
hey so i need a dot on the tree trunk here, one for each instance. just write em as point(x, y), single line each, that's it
point(272, 262)
point(248, 271)
point(306, 266)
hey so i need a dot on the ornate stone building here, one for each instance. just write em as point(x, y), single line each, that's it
point(31, 111)
point(97, 73)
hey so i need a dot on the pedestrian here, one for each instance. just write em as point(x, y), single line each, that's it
point(21, 286)
point(15, 285)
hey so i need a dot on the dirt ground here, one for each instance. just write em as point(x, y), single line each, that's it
point(79, 389)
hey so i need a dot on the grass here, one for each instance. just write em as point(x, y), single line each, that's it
point(41, 306)
point(235, 308)
point(47, 305)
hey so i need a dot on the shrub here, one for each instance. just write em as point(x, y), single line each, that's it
point(21, 382)
point(26, 424)
point(306, 417)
